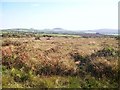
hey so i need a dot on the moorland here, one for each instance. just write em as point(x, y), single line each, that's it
point(59, 61)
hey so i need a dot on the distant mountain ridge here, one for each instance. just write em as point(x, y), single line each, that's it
point(64, 31)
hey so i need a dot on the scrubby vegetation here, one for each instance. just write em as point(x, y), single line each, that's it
point(59, 62)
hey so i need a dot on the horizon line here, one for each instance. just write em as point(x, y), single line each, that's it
point(59, 28)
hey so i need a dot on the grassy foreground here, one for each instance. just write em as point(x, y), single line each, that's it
point(15, 78)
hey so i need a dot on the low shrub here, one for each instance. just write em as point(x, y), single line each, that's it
point(8, 42)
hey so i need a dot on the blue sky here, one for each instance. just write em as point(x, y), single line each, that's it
point(67, 14)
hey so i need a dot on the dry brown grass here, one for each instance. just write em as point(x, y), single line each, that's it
point(55, 54)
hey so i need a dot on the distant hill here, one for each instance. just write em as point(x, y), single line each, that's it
point(63, 31)
point(54, 30)
point(104, 31)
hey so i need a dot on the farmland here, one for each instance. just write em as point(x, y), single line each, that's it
point(59, 61)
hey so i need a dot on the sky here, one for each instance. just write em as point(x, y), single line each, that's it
point(66, 14)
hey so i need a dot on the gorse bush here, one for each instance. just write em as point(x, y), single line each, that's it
point(100, 71)
point(19, 75)
point(103, 63)
point(106, 52)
